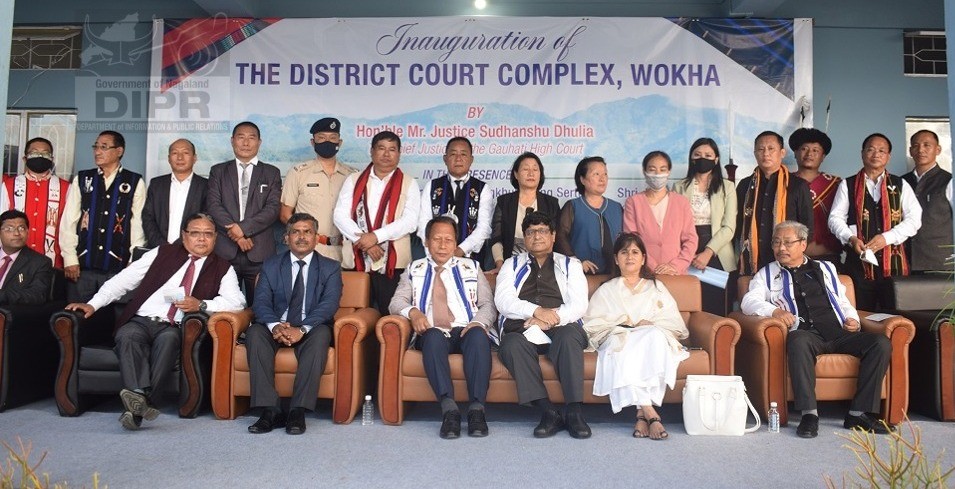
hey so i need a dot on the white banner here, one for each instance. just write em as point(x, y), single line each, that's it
point(563, 88)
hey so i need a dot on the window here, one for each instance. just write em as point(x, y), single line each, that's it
point(43, 48)
point(59, 126)
point(924, 53)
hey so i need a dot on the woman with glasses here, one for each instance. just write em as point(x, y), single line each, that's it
point(662, 219)
point(527, 177)
point(713, 205)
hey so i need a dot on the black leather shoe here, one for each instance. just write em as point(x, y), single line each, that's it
point(808, 426)
point(576, 426)
point(296, 421)
point(551, 423)
point(477, 424)
point(451, 425)
point(868, 423)
point(269, 420)
point(138, 404)
point(130, 421)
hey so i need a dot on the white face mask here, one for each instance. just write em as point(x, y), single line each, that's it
point(656, 181)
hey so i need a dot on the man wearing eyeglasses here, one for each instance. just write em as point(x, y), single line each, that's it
point(168, 282)
point(25, 275)
point(41, 195)
point(873, 214)
point(103, 221)
point(806, 295)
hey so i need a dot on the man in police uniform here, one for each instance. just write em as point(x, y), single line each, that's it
point(313, 186)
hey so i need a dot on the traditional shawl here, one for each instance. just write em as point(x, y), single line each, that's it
point(614, 309)
point(750, 234)
point(893, 256)
point(362, 215)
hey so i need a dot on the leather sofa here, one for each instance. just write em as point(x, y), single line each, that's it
point(401, 371)
point(89, 367)
point(761, 361)
point(344, 379)
point(925, 300)
point(29, 353)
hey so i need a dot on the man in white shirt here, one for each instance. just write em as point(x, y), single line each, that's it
point(930, 248)
point(874, 213)
point(171, 198)
point(458, 193)
point(169, 281)
point(377, 211)
point(451, 307)
point(539, 294)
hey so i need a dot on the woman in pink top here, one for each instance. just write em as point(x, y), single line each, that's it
point(663, 219)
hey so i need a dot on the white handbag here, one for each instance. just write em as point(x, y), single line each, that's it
point(716, 405)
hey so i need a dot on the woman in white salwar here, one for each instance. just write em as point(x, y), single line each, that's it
point(635, 325)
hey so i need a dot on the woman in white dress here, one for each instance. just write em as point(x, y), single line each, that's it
point(635, 325)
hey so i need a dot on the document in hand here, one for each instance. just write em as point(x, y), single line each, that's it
point(710, 275)
point(535, 335)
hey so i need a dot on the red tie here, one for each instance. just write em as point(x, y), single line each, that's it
point(186, 284)
point(440, 312)
point(4, 267)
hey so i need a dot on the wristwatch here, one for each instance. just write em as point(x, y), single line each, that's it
point(203, 306)
point(303, 329)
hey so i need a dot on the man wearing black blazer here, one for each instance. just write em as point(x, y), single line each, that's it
point(25, 275)
point(245, 224)
point(296, 298)
point(173, 197)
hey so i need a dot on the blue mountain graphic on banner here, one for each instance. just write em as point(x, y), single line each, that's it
point(764, 47)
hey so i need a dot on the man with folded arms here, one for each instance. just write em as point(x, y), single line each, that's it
point(168, 282)
point(296, 297)
point(543, 292)
point(450, 305)
point(806, 295)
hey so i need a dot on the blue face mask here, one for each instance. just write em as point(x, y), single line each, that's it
point(326, 149)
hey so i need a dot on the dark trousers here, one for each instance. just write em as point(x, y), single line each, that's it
point(247, 271)
point(311, 353)
point(383, 289)
point(873, 351)
point(871, 295)
point(566, 352)
point(87, 285)
point(147, 352)
point(475, 347)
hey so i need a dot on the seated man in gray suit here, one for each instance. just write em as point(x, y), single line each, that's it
point(450, 306)
point(172, 198)
point(540, 291)
point(25, 275)
point(296, 298)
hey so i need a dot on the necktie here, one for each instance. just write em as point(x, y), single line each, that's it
point(244, 190)
point(186, 284)
point(3, 268)
point(457, 189)
point(440, 312)
point(297, 300)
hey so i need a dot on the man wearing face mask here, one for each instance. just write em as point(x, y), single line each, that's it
point(313, 186)
point(40, 195)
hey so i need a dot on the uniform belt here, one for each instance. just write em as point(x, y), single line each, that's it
point(330, 240)
point(161, 319)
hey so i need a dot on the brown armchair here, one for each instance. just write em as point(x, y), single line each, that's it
point(401, 376)
point(761, 361)
point(344, 379)
point(89, 367)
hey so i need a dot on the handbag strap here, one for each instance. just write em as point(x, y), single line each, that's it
point(721, 419)
point(755, 415)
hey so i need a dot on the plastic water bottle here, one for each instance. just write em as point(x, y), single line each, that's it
point(368, 412)
point(773, 418)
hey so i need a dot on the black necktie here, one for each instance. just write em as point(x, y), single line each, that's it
point(294, 316)
point(457, 189)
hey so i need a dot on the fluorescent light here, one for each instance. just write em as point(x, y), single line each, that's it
point(480, 4)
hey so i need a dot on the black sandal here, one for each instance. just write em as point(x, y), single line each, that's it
point(663, 434)
point(636, 433)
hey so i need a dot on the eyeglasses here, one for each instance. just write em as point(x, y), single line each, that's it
point(200, 234)
point(776, 243)
point(13, 229)
point(875, 151)
point(40, 154)
point(103, 147)
point(537, 232)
